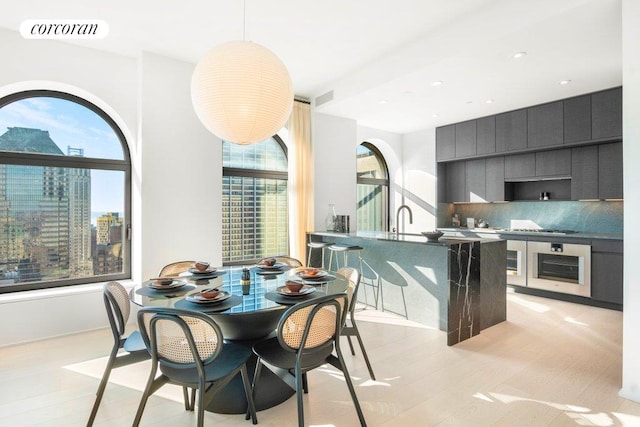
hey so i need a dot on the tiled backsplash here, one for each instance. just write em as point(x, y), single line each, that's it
point(595, 217)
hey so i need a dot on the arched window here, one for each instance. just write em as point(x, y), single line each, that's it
point(65, 176)
point(254, 201)
point(373, 189)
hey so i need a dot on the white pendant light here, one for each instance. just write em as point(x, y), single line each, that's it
point(242, 92)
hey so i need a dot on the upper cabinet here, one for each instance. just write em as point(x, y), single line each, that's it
point(586, 119)
point(606, 114)
point(511, 131)
point(545, 125)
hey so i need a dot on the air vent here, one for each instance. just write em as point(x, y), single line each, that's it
point(324, 98)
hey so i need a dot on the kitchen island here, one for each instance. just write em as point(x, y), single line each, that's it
point(457, 285)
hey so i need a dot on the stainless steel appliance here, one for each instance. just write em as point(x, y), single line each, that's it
point(559, 267)
point(517, 262)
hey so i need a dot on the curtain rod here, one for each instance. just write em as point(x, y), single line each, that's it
point(304, 101)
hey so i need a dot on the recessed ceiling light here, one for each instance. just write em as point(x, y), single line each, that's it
point(489, 101)
point(564, 82)
point(437, 83)
point(519, 55)
point(434, 116)
point(383, 101)
point(469, 102)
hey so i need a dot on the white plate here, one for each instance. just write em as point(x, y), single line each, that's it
point(199, 299)
point(276, 266)
point(318, 275)
point(194, 270)
point(305, 290)
point(173, 285)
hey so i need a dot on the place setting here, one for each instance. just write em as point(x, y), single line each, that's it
point(269, 266)
point(201, 270)
point(210, 299)
point(167, 287)
point(312, 276)
point(292, 293)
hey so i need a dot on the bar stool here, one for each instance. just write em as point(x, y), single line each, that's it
point(317, 245)
point(346, 249)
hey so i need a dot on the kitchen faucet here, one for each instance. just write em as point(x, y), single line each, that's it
point(398, 218)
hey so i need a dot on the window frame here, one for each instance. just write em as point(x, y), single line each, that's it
point(384, 182)
point(57, 161)
point(257, 173)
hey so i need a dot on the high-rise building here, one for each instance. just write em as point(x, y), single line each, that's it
point(107, 257)
point(45, 212)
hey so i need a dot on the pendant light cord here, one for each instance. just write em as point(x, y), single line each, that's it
point(244, 20)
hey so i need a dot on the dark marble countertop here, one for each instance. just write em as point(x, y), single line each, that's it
point(502, 234)
point(404, 237)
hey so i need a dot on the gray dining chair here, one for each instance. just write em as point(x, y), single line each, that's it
point(116, 301)
point(353, 278)
point(189, 349)
point(307, 335)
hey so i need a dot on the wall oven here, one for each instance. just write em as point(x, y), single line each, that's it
point(517, 262)
point(559, 267)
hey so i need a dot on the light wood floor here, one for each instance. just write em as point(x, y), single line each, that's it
point(551, 364)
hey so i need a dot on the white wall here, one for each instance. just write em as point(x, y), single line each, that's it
point(420, 184)
point(334, 151)
point(631, 148)
point(181, 171)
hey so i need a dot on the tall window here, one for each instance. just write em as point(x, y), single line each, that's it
point(254, 201)
point(373, 189)
point(64, 193)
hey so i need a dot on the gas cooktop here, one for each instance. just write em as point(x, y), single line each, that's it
point(537, 231)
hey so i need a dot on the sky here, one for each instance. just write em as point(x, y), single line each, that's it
point(71, 124)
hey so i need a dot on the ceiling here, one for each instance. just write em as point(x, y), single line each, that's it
point(375, 61)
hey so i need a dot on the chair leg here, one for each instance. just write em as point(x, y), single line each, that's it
point(353, 352)
point(187, 399)
point(364, 352)
point(299, 393)
point(102, 386)
point(254, 385)
point(305, 384)
point(248, 391)
point(352, 390)
point(145, 394)
point(201, 388)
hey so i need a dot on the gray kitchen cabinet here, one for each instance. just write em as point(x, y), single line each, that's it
point(465, 139)
point(494, 179)
point(455, 182)
point(610, 171)
point(607, 263)
point(606, 114)
point(545, 125)
point(446, 143)
point(486, 135)
point(511, 131)
point(584, 173)
point(577, 119)
point(555, 163)
point(520, 166)
point(475, 190)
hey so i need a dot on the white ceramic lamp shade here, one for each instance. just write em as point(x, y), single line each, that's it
point(242, 92)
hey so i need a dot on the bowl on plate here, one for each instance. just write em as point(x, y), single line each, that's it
point(210, 293)
point(432, 236)
point(269, 262)
point(293, 286)
point(201, 265)
point(162, 281)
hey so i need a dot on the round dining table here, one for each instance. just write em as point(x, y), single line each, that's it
point(245, 313)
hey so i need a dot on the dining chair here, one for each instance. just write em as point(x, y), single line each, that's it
point(116, 301)
point(286, 260)
point(307, 334)
point(175, 268)
point(353, 278)
point(189, 348)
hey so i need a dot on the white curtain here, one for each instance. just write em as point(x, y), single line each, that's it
point(300, 179)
